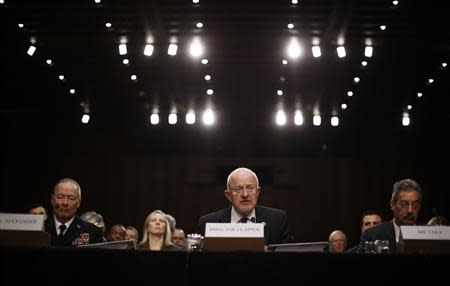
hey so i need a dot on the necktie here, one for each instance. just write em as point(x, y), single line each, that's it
point(62, 228)
point(243, 220)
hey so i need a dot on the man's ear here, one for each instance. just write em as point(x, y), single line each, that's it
point(227, 194)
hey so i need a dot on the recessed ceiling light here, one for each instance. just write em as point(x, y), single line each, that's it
point(72, 91)
point(108, 25)
point(344, 106)
point(383, 27)
point(207, 77)
point(125, 61)
point(204, 61)
point(290, 26)
point(199, 25)
point(20, 25)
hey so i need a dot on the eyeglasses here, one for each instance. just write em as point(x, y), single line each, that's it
point(406, 204)
point(239, 189)
point(62, 197)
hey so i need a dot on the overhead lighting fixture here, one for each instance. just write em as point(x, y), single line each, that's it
point(196, 49)
point(61, 77)
point(280, 118)
point(97, 1)
point(405, 119)
point(430, 80)
point(290, 26)
point(208, 117)
point(31, 50)
point(72, 91)
point(2, 1)
point(316, 51)
point(207, 77)
point(108, 25)
point(294, 49)
point(20, 25)
point(419, 94)
point(279, 92)
point(383, 27)
point(298, 118)
point(344, 106)
point(317, 120)
point(368, 51)
point(334, 121)
point(199, 25)
point(341, 51)
point(295, 2)
point(154, 118)
point(204, 61)
point(148, 50)
point(133, 77)
point(395, 2)
point(209, 91)
point(85, 118)
point(409, 107)
point(49, 62)
point(444, 65)
point(356, 79)
point(190, 117)
point(173, 118)
point(195, 1)
point(125, 61)
point(123, 49)
point(284, 62)
point(172, 50)
point(350, 93)
point(364, 63)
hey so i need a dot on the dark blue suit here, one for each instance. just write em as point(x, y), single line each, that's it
point(383, 231)
point(276, 228)
point(79, 232)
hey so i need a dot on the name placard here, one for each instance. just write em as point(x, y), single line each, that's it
point(234, 230)
point(425, 232)
point(33, 222)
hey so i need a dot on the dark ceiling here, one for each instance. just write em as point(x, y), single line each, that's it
point(245, 42)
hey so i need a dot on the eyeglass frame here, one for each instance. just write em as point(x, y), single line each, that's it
point(239, 189)
point(406, 204)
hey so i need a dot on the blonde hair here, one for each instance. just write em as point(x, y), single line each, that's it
point(167, 233)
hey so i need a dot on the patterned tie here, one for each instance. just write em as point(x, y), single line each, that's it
point(62, 228)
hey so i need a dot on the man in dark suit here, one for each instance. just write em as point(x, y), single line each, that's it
point(242, 192)
point(65, 227)
point(405, 203)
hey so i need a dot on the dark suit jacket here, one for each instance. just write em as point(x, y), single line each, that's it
point(383, 231)
point(79, 232)
point(276, 229)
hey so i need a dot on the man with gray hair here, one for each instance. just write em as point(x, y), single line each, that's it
point(406, 200)
point(242, 192)
point(65, 227)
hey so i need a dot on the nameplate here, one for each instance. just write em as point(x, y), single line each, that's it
point(424, 232)
point(234, 230)
point(34, 222)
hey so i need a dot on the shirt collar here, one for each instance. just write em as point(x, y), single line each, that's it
point(235, 217)
point(67, 224)
point(397, 230)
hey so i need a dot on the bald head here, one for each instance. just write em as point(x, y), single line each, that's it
point(241, 171)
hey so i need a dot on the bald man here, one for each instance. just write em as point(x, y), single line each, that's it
point(242, 192)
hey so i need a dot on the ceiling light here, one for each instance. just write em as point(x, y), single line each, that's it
point(208, 117)
point(280, 118)
point(72, 91)
point(316, 51)
point(294, 49)
point(199, 25)
point(108, 25)
point(344, 106)
point(154, 118)
point(207, 77)
point(405, 119)
point(409, 107)
point(368, 51)
point(173, 118)
point(172, 50)
point(430, 80)
point(395, 2)
point(133, 77)
point(85, 118)
point(204, 61)
point(364, 63)
point(20, 25)
point(334, 121)
point(196, 49)
point(356, 79)
point(383, 27)
point(317, 120)
point(279, 92)
point(209, 91)
point(290, 26)
point(298, 118)
point(148, 50)
point(294, 2)
point(444, 65)
point(284, 62)
point(123, 49)
point(125, 61)
point(350, 93)
point(190, 117)
point(61, 77)
point(419, 94)
point(341, 51)
point(195, 1)
point(49, 62)
point(2, 1)
point(31, 50)
point(97, 1)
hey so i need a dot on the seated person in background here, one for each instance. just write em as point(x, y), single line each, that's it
point(438, 220)
point(94, 218)
point(172, 223)
point(337, 242)
point(242, 192)
point(405, 203)
point(179, 237)
point(117, 232)
point(156, 233)
point(65, 227)
point(38, 209)
point(132, 233)
point(369, 219)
